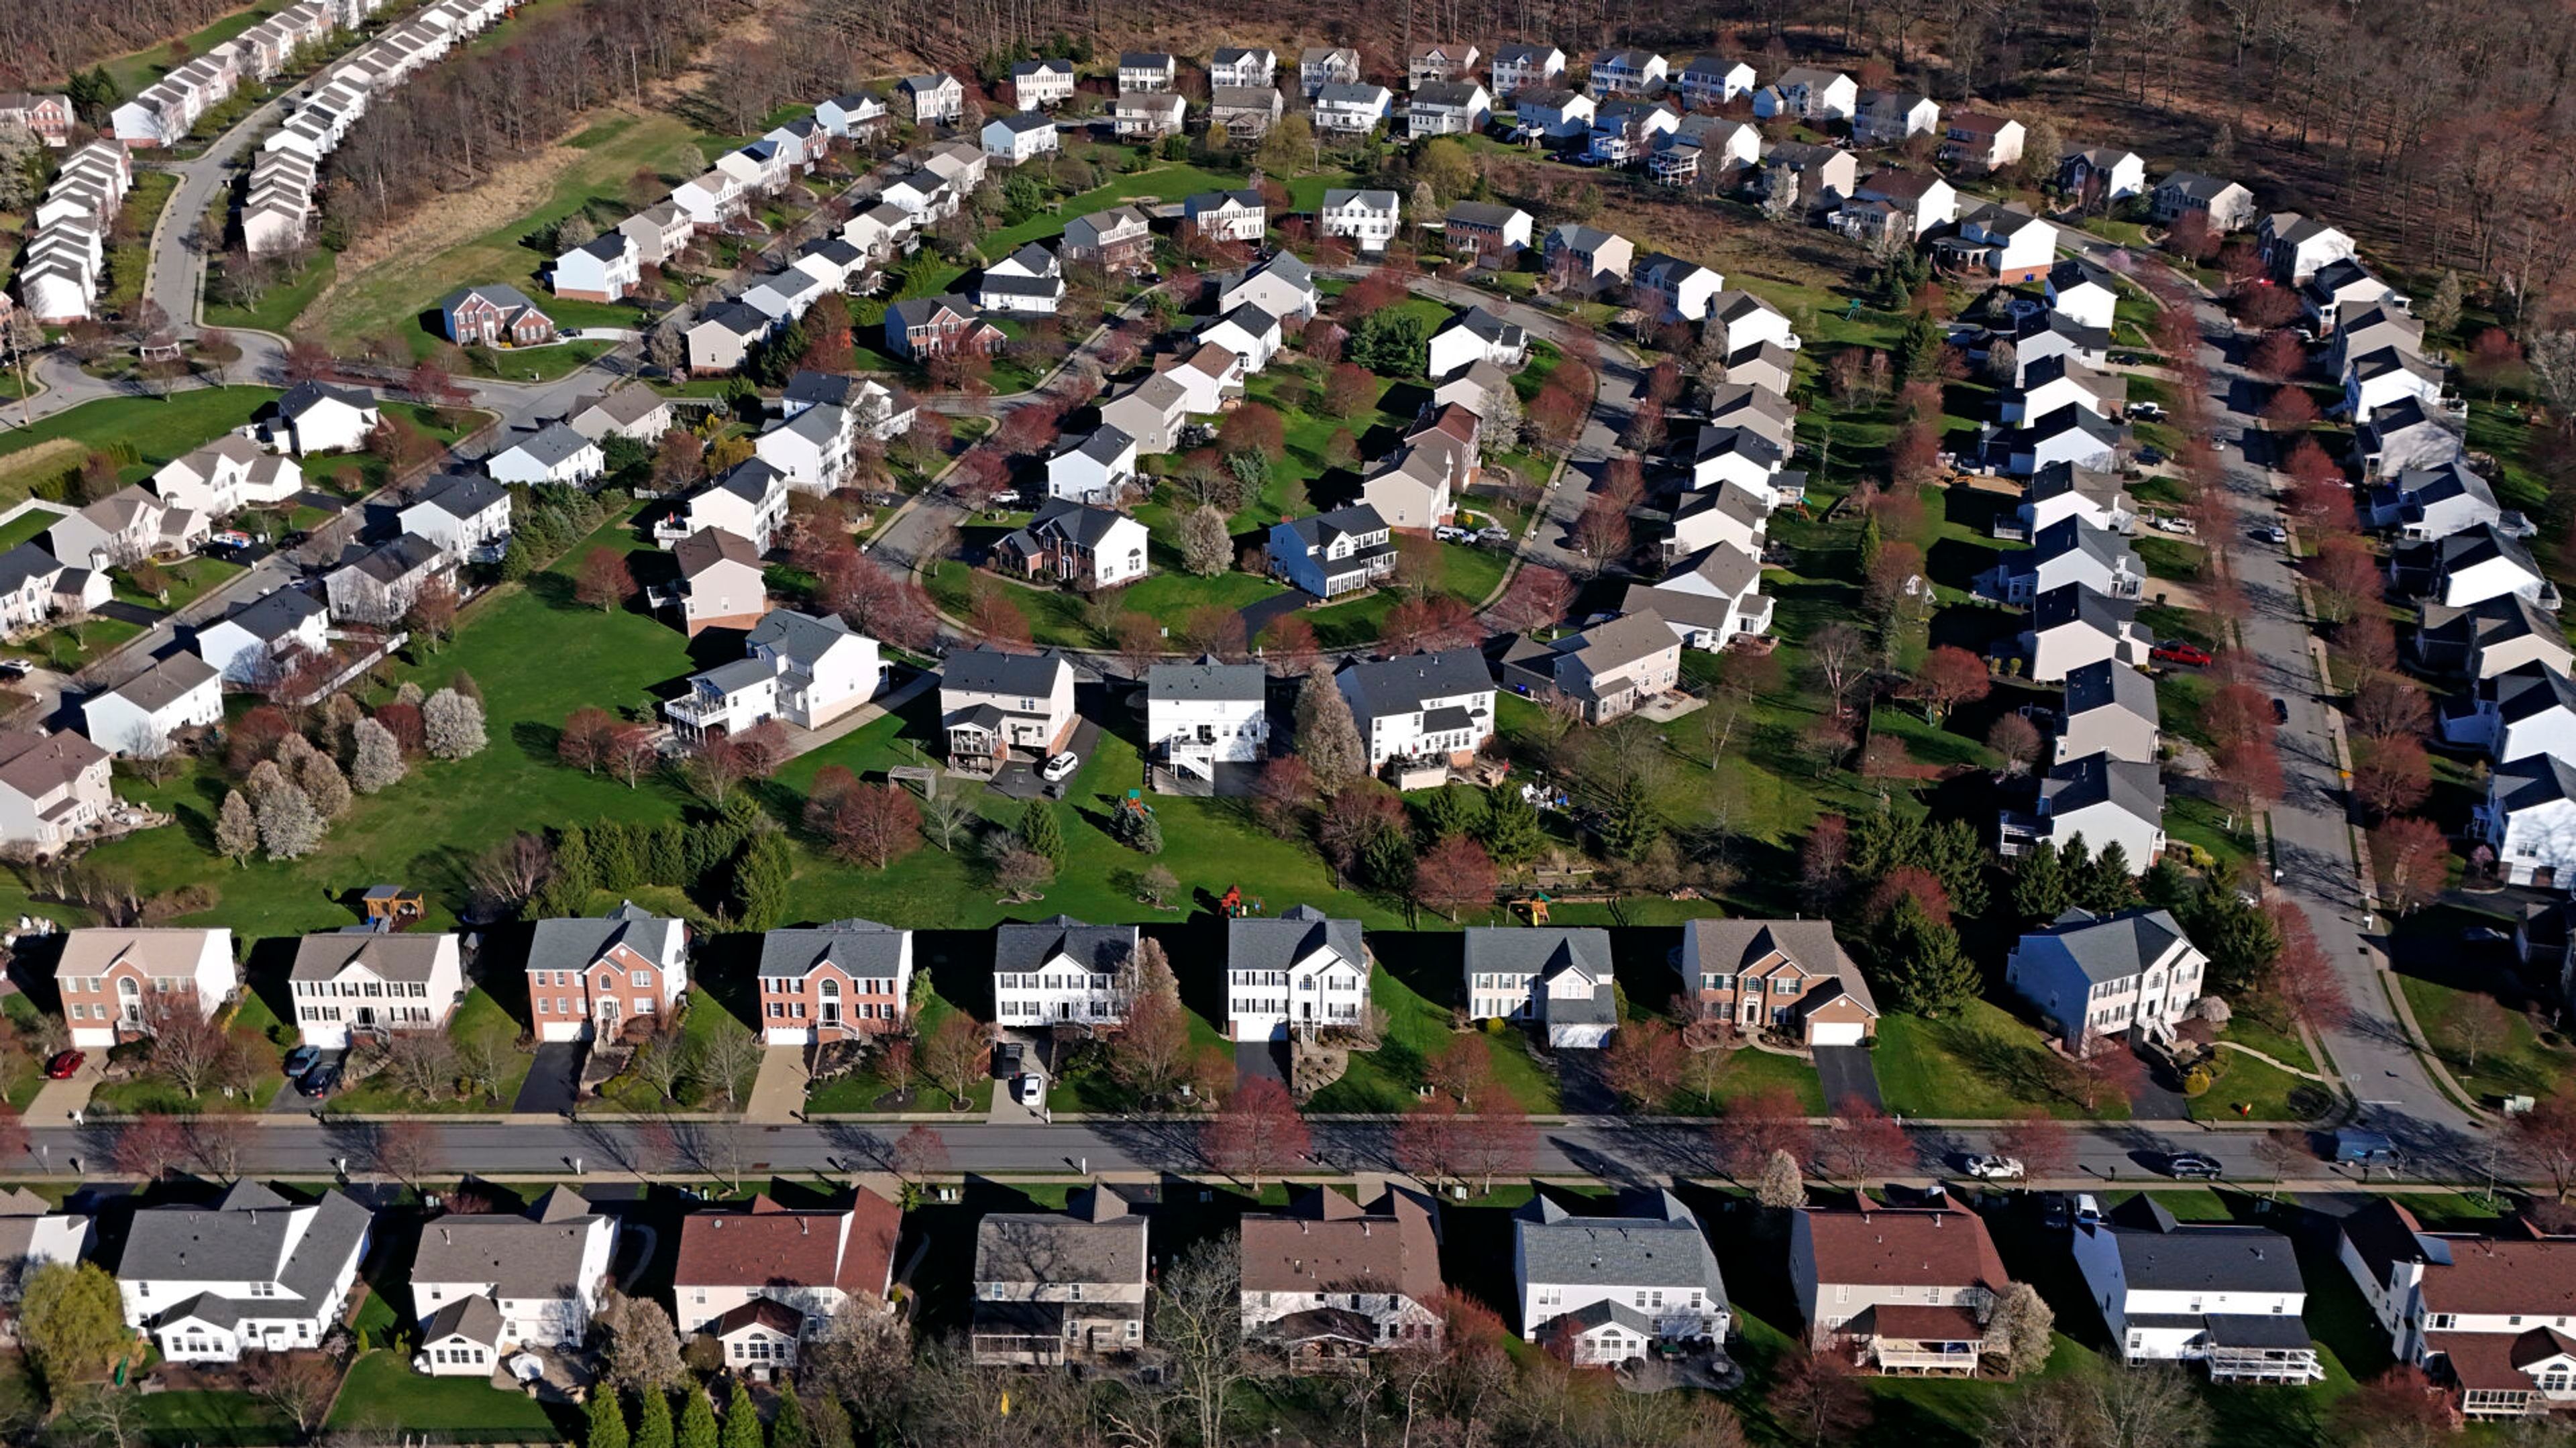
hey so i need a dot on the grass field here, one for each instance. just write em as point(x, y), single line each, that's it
point(382, 1393)
point(158, 428)
point(1984, 1063)
point(2513, 1061)
point(278, 307)
point(133, 71)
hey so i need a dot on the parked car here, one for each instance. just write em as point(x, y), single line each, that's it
point(1030, 1088)
point(2179, 652)
point(2176, 523)
point(65, 1065)
point(2148, 410)
point(2273, 533)
point(302, 1059)
point(1060, 768)
point(14, 668)
point(2191, 1166)
point(1996, 1168)
point(319, 1082)
point(2150, 456)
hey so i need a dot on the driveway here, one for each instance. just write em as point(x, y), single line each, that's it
point(554, 1080)
point(1847, 1073)
point(1258, 1060)
point(778, 1092)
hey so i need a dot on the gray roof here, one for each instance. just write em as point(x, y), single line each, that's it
point(1317, 529)
point(244, 1235)
point(820, 388)
point(1726, 946)
point(1024, 122)
point(1718, 441)
point(500, 294)
point(2489, 621)
point(1029, 947)
point(2073, 535)
point(2533, 780)
point(2137, 789)
point(2112, 947)
point(2075, 271)
point(1372, 198)
point(464, 495)
point(398, 559)
point(1351, 93)
point(2195, 185)
point(165, 683)
point(1104, 445)
point(1634, 635)
point(734, 317)
point(1536, 950)
point(735, 675)
point(1454, 93)
point(390, 957)
point(2104, 684)
point(1199, 201)
point(2067, 477)
point(574, 944)
point(554, 443)
point(26, 561)
point(1483, 213)
point(1144, 60)
point(1487, 326)
point(1281, 941)
point(1095, 1242)
point(799, 638)
point(473, 1318)
point(751, 480)
point(1084, 231)
point(2159, 1254)
point(2074, 603)
point(521, 1256)
point(1654, 1241)
point(858, 947)
point(1207, 679)
point(304, 396)
point(2532, 688)
point(990, 671)
point(1400, 685)
point(1045, 66)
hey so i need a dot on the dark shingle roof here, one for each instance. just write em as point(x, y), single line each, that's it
point(990, 671)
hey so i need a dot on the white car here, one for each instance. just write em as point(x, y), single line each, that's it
point(1060, 768)
point(1996, 1168)
point(1031, 1089)
point(2274, 534)
point(2172, 523)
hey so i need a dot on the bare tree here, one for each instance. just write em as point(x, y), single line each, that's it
point(1198, 1324)
point(404, 1149)
point(218, 1142)
point(187, 1043)
point(728, 1060)
point(300, 1386)
point(1839, 654)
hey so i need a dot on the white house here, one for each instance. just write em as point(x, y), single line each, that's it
point(2108, 975)
point(1706, 517)
point(805, 669)
point(2067, 552)
point(992, 703)
point(1612, 1286)
point(1448, 108)
point(764, 1279)
point(2009, 242)
point(1626, 132)
point(1742, 320)
point(1709, 81)
point(1367, 218)
point(2073, 626)
point(590, 975)
point(2297, 247)
point(1352, 108)
point(1890, 118)
point(852, 114)
point(2223, 204)
point(225, 476)
point(1899, 1289)
point(2513, 715)
point(1981, 141)
point(1807, 93)
point(554, 453)
point(2109, 710)
point(316, 417)
point(248, 638)
point(1297, 972)
point(1319, 66)
point(1150, 115)
point(932, 98)
point(1669, 289)
point(2490, 638)
point(2221, 1293)
point(603, 269)
point(2102, 800)
point(105, 974)
point(1518, 67)
point(485, 1285)
point(1737, 457)
point(1474, 336)
point(1022, 136)
point(1099, 468)
point(2529, 821)
point(1556, 978)
point(460, 512)
point(2062, 490)
point(1053, 1287)
point(2082, 292)
point(1061, 972)
point(811, 449)
point(139, 716)
point(1239, 215)
point(2470, 567)
point(1201, 715)
point(2490, 1315)
point(1553, 113)
point(1249, 332)
point(348, 983)
point(2102, 174)
point(2432, 502)
point(249, 1273)
point(1284, 286)
point(1428, 706)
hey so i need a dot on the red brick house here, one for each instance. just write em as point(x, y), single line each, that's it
point(1786, 976)
point(587, 977)
point(494, 316)
point(49, 116)
point(921, 328)
point(847, 979)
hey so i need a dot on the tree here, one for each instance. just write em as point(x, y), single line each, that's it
point(2394, 1409)
point(2413, 857)
point(741, 1418)
point(2039, 1141)
point(376, 761)
point(2248, 777)
point(583, 744)
point(2386, 706)
point(2105, 1066)
point(2027, 1326)
point(1921, 962)
point(289, 827)
point(432, 615)
point(1454, 875)
point(1461, 1070)
point(876, 823)
point(2545, 1139)
point(300, 1386)
point(1948, 677)
point(1838, 654)
point(236, 829)
point(1328, 738)
point(1601, 534)
point(1818, 1399)
point(452, 725)
point(1497, 1141)
point(2156, 1406)
point(1258, 1134)
point(186, 1043)
point(407, 1148)
point(1758, 1126)
point(150, 1146)
point(1151, 1054)
point(1039, 832)
point(1644, 1063)
point(653, 1420)
point(2391, 775)
point(1197, 1324)
point(1206, 547)
point(1865, 1143)
point(604, 582)
point(1783, 1184)
point(956, 1054)
point(72, 1320)
point(643, 1353)
point(698, 1416)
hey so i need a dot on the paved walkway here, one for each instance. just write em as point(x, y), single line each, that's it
point(778, 1093)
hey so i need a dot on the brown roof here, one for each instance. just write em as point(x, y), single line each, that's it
point(767, 1244)
point(1212, 359)
point(36, 765)
point(2519, 1272)
point(2496, 1360)
point(1978, 123)
point(1915, 1322)
point(1905, 1247)
point(708, 547)
point(1328, 1243)
point(1898, 184)
point(1458, 422)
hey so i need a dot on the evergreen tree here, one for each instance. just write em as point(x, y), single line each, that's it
point(1921, 962)
point(1039, 832)
point(2166, 885)
point(574, 870)
point(1955, 853)
point(787, 1426)
point(760, 880)
point(698, 1419)
point(2110, 886)
point(612, 854)
point(236, 829)
point(2241, 941)
point(1918, 351)
point(1870, 542)
point(607, 1421)
point(1138, 830)
point(1386, 858)
point(1633, 819)
point(2076, 861)
point(742, 1420)
point(1447, 811)
point(1327, 737)
point(667, 863)
point(2039, 889)
point(653, 1420)
point(1510, 831)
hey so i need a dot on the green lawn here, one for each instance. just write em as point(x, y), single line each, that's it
point(26, 526)
point(153, 1094)
point(158, 428)
point(859, 1091)
point(127, 263)
point(1389, 1078)
point(188, 581)
point(1982, 1064)
point(2517, 1062)
point(278, 307)
point(382, 1393)
point(212, 1416)
point(478, 1015)
point(138, 69)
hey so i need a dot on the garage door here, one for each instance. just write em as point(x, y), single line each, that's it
point(1830, 1033)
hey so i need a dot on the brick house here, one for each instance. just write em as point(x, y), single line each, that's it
point(108, 975)
point(847, 979)
point(921, 328)
point(588, 976)
point(493, 316)
point(1787, 975)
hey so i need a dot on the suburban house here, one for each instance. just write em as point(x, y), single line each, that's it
point(1021, 136)
point(2222, 1293)
point(1740, 320)
point(1319, 66)
point(1253, 336)
point(2223, 205)
point(1610, 1287)
point(2068, 551)
point(1552, 113)
point(1297, 973)
point(1435, 706)
point(2110, 709)
point(2488, 1316)
point(1246, 113)
point(2082, 292)
point(588, 977)
point(931, 98)
point(1628, 72)
point(749, 501)
point(1329, 1281)
point(1608, 670)
point(1099, 468)
point(2489, 638)
point(316, 417)
point(1587, 259)
point(1330, 554)
point(1449, 108)
point(709, 201)
point(2092, 975)
point(1226, 215)
point(2101, 801)
point(2374, 379)
point(1898, 203)
point(2071, 626)
point(494, 315)
point(2007, 242)
point(1788, 978)
point(2063, 491)
point(921, 328)
point(460, 512)
point(2343, 290)
point(1070, 542)
point(379, 586)
point(2407, 433)
point(2102, 174)
point(49, 117)
point(1669, 289)
point(246, 641)
point(1554, 977)
point(53, 789)
point(1060, 971)
point(1203, 714)
point(1152, 412)
point(2050, 383)
point(1472, 336)
point(1149, 115)
point(1815, 177)
point(1036, 84)
point(1710, 598)
point(1981, 141)
point(1237, 65)
point(1366, 218)
point(225, 476)
point(1439, 61)
point(805, 669)
point(604, 269)
point(2296, 247)
point(722, 337)
point(1806, 93)
point(1486, 233)
point(355, 982)
point(141, 716)
point(630, 410)
point(105, 974)
point(763, 1278)
point(124, 527)
point(552, 454)
point(486, 1285)
point(1901, 1289)
point(2513, 715)
point(2361, 330)
point(2528, 822)
point(32, 1235)
point(1713, 516)
point(2470, 566)
point(1147, 72)
point(991, 703)
point(1053, 1287)
point(1417, 489)
point(847, 979)
point(249, 1272)
point(1709, 81)
point(1351, 108)
point(1740, 458)
point(2076, 434)
point(1119, 239)
point(875, 409)
point(1755, 409)
point(1890, 118)
point(1626, 132)
point(1516, 67)
point(1282, 287)
point(811, 448)
point(862, 111)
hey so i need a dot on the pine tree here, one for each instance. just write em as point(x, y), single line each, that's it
point(376, 761)
point(607, 1421)
point(612, 854)
point(787, 1425)
point(573, 868)
point(452, 724)
point(742, 1420)
point(653, 1420)
point(1918, 351)
point(2040, 890)
point(2110, 886)
point(1634, 819)
point(1922, 963)
point(667, 862)
point(289, 829)
point(698, 1419)
point(760, 881)
point(1510, 831)
point(236, 829)
point(1040, 833)
point(1870, 542)
point(1327, 736)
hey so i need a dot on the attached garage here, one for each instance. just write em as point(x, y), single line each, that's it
point(1833, 1033)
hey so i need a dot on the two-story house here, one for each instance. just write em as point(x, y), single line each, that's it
point(861, 112)
point(748, 501)
point(1061, 972)
point(1242, 65)
point(932, 98)
point(1019, 137)
point(1352, 108)
point(922, 328)
point(1037, 84)
point(1367, 218)
point(354, 982)
point(835, 982)
point(1485, 233)
point(2104, 975)
point(993, 703)
point(1608, 670)
point(113, 980)
point(379, 586)
point(1053, 1287)
point(316, 417)
point(1097, 468)
point(1807, 93)
point(1791, 978)
point(53, 789)
point(805, 669)
point(246, 641)
point(1517, 67)
point(1200, 715)
point(1421, 707)
point(2101, 175)
point(487, 1285)
point(2100, 800)
point(1586, 259)
point(1334, 553)
point(2226, 1294)
point(1319, 66)
point(1612, 1287)
point(1149, 115)
point(2072, 625)
point(1554, 978)
point(496, 315)
point(1981, 141)
point(1328, 1282)
point(2491, 1317)
point(227, 475)
point(1440, 60)
point(463, 514)
point(1283, 287)
point(1472, 336)
point(2082, 292)
point(2223, 205)
point(1119, 239)
point(1076, 543)
point(143, 715)
point(2069, 551)
point(1706, 82)
point(1552, 114)
point(554, 453)
point(588, 977)
point(2110, 709)
point(2528, 820)
point(2513, 715)
point(1899, 1289)
point(1297, 973)
point(2485, 639)
point(250, 1272)
point(1239, 215)
point(1710, 597)
point(764, 1279)
point(1449, 108)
